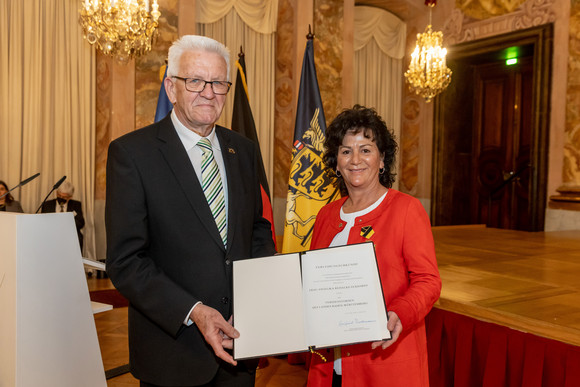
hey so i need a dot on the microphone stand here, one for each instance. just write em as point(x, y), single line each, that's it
point(58, 183)
point(25, 181)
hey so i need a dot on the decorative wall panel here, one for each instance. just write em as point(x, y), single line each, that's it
point(148, 67)
point(285, 95)
point(103, 123)
point(328, 45)
point(571, 172)
point(410, 130)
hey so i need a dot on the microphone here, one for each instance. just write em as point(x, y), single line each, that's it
point(55, 186)
point(58, 183)
point(25, 181)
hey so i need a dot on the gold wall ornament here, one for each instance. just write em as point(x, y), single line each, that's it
point(485, 9)
point(428, 74)
point(123, 29)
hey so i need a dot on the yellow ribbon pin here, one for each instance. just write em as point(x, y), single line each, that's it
point(367, 232)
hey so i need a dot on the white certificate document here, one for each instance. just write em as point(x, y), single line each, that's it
point(320, 298)
point(268, 306)
point(343, 298)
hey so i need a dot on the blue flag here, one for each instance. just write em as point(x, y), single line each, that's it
point(163, 104)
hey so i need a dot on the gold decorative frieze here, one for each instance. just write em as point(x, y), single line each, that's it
point(484, 9)
point(459, 27)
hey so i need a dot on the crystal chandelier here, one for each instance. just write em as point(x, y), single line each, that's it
point(428, 74)
point(123, 29)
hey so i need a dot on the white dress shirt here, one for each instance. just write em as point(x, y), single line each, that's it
point(341, 239)
point(189, 139)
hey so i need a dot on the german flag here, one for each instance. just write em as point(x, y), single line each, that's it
point(243, 123)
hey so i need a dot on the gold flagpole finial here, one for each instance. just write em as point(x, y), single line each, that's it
point(310, 35)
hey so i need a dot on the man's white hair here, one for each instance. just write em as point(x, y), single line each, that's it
point(66, 188)
point(194, 43)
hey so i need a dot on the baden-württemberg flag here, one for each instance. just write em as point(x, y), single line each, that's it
point(243, 123)
point(309, 187)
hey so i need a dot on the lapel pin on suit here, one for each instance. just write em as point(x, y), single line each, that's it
point(232, 151)
point(367, 232)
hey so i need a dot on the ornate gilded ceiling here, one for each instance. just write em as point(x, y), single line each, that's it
point(477, 9)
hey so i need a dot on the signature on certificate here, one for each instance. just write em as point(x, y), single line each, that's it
point(356, 321)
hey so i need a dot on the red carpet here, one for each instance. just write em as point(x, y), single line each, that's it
point(109, 296)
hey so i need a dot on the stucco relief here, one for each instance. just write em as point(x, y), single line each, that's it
point(459, 27)
point(484, 9)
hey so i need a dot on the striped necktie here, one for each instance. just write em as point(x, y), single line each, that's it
point(212, 187)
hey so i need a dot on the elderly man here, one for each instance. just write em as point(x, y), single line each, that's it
point(65, 203)
point(183, 202)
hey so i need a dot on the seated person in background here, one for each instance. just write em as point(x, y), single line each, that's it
point(7, 203)
point(65, 203)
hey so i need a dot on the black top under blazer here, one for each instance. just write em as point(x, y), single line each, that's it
point(164, 251)
point(72, 206)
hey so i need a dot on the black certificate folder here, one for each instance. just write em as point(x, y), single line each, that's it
point(315, 299)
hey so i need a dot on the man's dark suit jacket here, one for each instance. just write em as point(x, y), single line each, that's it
point(72, 206)
point(164, 249)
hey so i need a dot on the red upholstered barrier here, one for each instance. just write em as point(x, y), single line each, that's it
point(465, 352)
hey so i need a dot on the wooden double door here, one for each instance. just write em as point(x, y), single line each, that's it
point(490, 140)
point(502, 136)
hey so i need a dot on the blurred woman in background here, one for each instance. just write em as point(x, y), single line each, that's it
point(7, 202)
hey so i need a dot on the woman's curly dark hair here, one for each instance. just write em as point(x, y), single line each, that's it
point(353, 121)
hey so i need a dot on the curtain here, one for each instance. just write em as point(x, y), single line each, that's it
point(466, 352)
point(379, 45)
point(252, 25)
point(47, 99)
point(260, 15)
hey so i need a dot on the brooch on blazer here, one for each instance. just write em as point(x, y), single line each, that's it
point(232, 151)
point(367, 232)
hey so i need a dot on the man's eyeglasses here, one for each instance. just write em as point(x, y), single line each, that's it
point(198, 85)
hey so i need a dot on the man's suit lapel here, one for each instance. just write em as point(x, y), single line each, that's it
point(229, 154)
point(179, 163)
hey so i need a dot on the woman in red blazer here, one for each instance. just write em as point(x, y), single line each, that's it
point(361, 151)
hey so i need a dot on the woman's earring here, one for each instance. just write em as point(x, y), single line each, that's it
point(338, 173)
point(381, 171)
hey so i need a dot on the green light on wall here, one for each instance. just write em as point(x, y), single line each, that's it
point(511, 56)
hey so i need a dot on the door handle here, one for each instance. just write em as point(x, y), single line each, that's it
point(507, 175)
